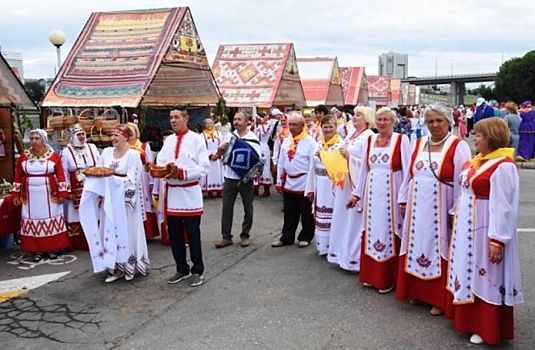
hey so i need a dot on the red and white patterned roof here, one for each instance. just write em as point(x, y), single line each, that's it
point(378, 86)
point(251, 74)
point(354, 84)
point(320, 77)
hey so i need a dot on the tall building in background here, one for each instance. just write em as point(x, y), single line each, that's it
point(14, 59)
point(395, 65)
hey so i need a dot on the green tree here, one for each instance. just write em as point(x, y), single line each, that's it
point(485, 91)
point(35, 90)
point(516, 79)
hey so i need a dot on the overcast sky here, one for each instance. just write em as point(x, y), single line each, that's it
point(470, 35)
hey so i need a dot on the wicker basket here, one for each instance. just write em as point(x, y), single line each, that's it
point(85, 120)
point(109, 123)
point(104, 137)
point(56, 122)
point(95, 137)
point(71, 119)
point(62, 141)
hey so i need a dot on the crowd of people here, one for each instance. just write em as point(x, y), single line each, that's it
point(392, 195)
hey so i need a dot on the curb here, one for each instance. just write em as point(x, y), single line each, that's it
point(525, 165)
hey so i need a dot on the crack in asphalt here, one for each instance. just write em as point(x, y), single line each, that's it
point(29, 319)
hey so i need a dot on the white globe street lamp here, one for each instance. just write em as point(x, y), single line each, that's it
point(57, 38)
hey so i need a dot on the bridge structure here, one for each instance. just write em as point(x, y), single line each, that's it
point(457, 82)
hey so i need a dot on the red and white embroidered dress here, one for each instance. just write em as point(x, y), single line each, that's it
point(380, 179)
point(263, 131)
point(213, 181)
point(426, 229)
point(319, 183)
point(484, 293)
point(346, 226)
point(39, 182)
point(75, 160)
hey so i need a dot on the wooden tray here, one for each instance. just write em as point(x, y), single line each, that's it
point(98, 172)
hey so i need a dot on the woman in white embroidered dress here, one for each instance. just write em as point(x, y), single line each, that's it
point(76, 157)
point(263, 131)
point(346, 227)
point(279, 139)
point(213, 181)
point(39, 186)
point(387, 156)
point(320, 187)
point(127, 166)
point(484, 267)
point(150, 222)
point(428, 196)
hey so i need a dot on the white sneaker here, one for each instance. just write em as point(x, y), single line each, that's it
point(476, 339)
point(387, 290)
point(367, 285)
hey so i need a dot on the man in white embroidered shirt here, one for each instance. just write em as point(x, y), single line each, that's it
point(185, 154)
point(234, 185)
point(292, 168)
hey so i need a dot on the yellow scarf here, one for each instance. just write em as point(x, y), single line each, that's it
point(284, 133)
point(138, 146)
point(295, 139)
point(211, 133)
point(334, 162)
point(500, 152)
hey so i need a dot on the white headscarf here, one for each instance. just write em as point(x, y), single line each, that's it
point(42, 134)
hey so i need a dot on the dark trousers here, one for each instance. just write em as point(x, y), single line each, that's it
point(297, 206)
point(192, 225)
point(470, 124)
point(231, 188)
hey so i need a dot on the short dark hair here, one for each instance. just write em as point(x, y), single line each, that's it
point(321, 108)
point(179, 108)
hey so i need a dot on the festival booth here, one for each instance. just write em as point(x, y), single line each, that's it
point(131, 66)
point(395, 92)
point(379, 90)
point(354, 85)
point(321, 81)
point(259, 75)
point(14, 103)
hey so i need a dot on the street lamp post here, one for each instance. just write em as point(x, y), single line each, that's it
point(57, 38)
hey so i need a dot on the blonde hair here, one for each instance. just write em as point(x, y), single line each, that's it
point(387, 110)
point(495, 131)
point(127, 128)
point(511, 107)
point(135, 128)
point(369, 115)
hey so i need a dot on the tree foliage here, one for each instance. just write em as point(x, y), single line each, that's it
point(516, 79)
point(488, 92)
point(35, 90)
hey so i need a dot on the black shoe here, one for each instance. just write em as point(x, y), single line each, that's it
point(52, 256)
point(178, 277)
point(37, 257)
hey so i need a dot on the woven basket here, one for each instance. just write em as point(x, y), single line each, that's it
point(56, 122)
point(93, 134)
point(109, 123)
point(85, 120)
point(71, 119)
point(62, 141)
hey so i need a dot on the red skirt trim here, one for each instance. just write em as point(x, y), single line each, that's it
point(76, 237)
point(44, 244)
point(381, 275)
point(432, 292)
point(151, 225)
point(492, 322)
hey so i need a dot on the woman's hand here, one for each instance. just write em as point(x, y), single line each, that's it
point(16, 202)
point(310, 196)
point(352, 202)
point(344, 152)
point(495, 254)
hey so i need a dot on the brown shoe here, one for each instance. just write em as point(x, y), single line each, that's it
point(224, 243)
point(277, 244)
point(303, 244)
point(435, 311)
point(245, 242)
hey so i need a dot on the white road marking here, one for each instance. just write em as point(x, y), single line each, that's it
point(28, 283)
point(525, 230)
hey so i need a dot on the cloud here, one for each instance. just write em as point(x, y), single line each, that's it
point(472, 35)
